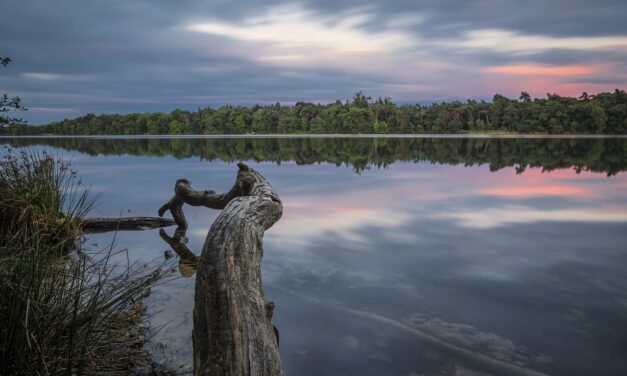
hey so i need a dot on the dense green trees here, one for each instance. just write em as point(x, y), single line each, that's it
point(588, 114)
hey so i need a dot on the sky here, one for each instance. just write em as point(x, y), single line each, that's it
point(72, 57)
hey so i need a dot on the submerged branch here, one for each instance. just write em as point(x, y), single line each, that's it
point(95, 225)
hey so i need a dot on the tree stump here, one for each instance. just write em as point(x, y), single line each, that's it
point(233, 332)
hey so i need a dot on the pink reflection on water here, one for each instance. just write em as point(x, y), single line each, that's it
point(539, 190)
point(562, 174)
point(413, 192)
point(535, 182)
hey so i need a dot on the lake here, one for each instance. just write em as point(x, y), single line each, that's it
point(398, 256)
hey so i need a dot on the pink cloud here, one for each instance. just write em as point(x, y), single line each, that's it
point(544, 70)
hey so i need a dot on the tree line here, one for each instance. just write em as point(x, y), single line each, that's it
point(603, 113)
point(607, 155)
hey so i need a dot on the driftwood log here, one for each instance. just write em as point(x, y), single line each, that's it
point(94, 225)
point(233, 332)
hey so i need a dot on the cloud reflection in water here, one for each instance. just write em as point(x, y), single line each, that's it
point(526, 268)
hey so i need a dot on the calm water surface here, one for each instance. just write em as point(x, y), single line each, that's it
point(396, 257)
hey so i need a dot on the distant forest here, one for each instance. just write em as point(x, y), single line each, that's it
point(604, 113)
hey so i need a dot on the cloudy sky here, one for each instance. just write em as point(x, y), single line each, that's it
point(71, 57)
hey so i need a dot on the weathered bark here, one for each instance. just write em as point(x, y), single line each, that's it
point(93, 225)
point(233, 332)
point(184, 194)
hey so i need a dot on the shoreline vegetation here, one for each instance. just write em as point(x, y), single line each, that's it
point(603, 113)
point(325, 135)
point(65, 308)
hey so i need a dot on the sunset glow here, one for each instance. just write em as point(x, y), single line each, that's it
point(540, 70)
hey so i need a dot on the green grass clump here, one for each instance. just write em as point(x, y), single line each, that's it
point(63, 310)
point(39, 195)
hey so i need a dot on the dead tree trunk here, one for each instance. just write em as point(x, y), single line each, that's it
point(233, 332)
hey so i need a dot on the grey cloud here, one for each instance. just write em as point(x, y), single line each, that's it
point(554, 18)
point(138, 50)
point(559, 56)
point(120, 56)
point(610, 80)
point(555, 56)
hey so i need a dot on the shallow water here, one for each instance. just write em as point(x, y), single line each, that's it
point(400, 257)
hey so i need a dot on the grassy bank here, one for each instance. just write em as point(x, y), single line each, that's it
point(63, 309)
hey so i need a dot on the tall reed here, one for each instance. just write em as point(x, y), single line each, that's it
point(63, 309)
